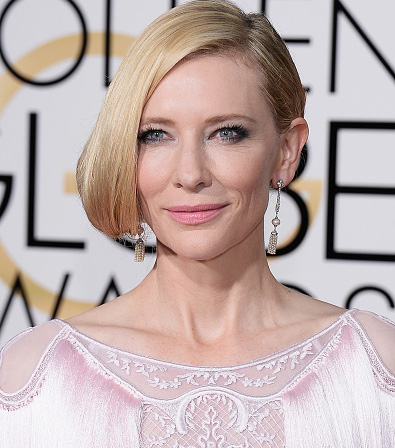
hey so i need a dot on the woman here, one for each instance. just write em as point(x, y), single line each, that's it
point(204, 115)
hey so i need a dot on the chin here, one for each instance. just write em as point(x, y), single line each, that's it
point(202, 255)
point(198, 250)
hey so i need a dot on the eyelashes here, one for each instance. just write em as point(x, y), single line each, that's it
point(229, 133)
point(151, 135)
point(232, 133)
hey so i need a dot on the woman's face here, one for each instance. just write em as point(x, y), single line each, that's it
point(208, 150)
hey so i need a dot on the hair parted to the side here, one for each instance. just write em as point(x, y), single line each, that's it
point(107, 168)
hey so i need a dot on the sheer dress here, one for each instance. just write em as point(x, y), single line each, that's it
point(331, 390)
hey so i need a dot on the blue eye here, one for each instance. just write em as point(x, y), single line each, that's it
point(155, 135)
point(233, 133)
point(151, 136)
point(227, 132)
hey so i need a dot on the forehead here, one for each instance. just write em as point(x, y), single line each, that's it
point(209, 85)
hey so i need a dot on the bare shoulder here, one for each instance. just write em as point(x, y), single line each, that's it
point(111, 322)
point(99, 317)
point(308, 310)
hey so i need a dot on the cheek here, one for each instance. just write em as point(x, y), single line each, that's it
point(249, 174)
point(152, 179)
point(152, 171)
point(250, 177)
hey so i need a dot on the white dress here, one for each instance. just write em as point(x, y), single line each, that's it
point(332, 390)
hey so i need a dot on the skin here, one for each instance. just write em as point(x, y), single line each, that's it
point(211, 298)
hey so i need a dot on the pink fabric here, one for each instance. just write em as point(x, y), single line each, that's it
point(331, 390)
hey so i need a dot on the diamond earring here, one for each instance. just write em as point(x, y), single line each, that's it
point(139, 248)
point(276, 222)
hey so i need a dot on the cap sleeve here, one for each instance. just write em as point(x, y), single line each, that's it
point(21, 356)
point(378, 337)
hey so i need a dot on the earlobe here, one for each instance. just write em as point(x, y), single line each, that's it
point(292, 143)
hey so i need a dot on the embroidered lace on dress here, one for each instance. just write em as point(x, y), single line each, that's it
point(215, 407)
point(179, 406)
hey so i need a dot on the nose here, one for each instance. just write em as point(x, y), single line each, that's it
point(192, 167)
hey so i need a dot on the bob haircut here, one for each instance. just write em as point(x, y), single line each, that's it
point(107, 168)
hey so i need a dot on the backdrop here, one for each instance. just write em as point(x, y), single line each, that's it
point(337, 233)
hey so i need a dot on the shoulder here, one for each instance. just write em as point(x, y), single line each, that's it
point(113, 323)
point(309, 314)
point(377, 334)
point(20, 357)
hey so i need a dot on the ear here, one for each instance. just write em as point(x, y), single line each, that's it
point(292, 142)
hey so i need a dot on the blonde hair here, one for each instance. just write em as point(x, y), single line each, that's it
point(107, 168)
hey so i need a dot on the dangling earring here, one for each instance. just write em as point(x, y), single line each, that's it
point(276, 222)
point(139, 248)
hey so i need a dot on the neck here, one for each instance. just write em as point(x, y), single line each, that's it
point(234, 293)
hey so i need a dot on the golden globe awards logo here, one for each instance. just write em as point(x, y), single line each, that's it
point(40, 105)
point(54, 76)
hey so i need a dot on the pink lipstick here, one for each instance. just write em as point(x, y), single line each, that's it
point(195, 214)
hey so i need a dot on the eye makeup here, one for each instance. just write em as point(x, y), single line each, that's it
point(151, 135)
point(231, 133)
point(228, 133)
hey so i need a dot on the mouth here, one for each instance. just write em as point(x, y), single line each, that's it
point(195, 214)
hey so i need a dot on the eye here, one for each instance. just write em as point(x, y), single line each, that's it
point(233, 133)
point(151, 136)
point(227, 132)
point(155, 135)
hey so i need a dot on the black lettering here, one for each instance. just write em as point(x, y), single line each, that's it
point(288, 40)
point(107, 68)
point(297, 288)
point(7, 181)
point(60, 295)
point(369, 288)
point(32, 240)
point(334, 189)
point(130, 244)
point(337, 8)
point(111, 287)
point(84, 40)
point(17, 287)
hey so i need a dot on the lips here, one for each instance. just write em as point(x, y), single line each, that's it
point(195, 214)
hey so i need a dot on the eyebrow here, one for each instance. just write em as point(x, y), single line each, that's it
point(229, 117)
point(156, 120)
point(212, 120)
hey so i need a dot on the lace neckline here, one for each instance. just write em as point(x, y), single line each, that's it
point(254, 362)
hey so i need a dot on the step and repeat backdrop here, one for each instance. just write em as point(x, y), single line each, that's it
point(337, 235)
